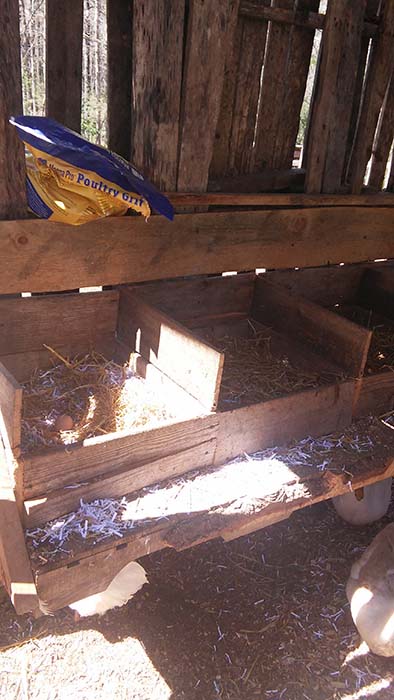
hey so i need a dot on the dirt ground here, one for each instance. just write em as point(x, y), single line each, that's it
point(264, 616)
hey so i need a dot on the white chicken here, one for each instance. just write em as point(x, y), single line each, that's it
point(126, 583)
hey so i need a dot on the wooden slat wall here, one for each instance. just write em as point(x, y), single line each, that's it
point(64, 61)
point(119, 33)
point(383, 140)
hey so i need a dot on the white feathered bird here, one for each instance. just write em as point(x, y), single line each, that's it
point(126, 583)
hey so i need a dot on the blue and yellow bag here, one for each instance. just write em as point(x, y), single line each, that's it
point(74, 181)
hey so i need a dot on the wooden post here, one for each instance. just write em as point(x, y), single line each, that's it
point(209, 30)
point(331, 116)
point(383, 140)
point(158, 29)
point(379, 74)
point(64, 62)
point(119, 24)
point(12, 158)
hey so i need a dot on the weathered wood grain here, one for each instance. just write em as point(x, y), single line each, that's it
point(210, 28)
point(238, 199)
point(324, 285)
point(12, 157)
point(265, 181)
point(328, 132)
point(379, 74)
point(64, 24)
point(53, 504)
point(383, 140)
point(98, 457)
point(376, 395)
point(11, 406)
point(128, 250)
point(191, 363)
point(313, 412)
point(158, 29)
point(338, 339)
point(119, 23)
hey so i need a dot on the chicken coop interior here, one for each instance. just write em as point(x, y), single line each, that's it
point(166, 383)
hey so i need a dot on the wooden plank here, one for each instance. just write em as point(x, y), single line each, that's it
point(328, 131)
point(158, 29)
point(117, 484)
point(194, 301)
point(227, 199)
point(376, 395)
point(246, 97)
point(202, 87)
point(371, 12)
point(11, 406)
point(342, 341)
point(26, 324)
point(377, 291)
point(12, 157)
point(324, 285)
point(113, 453)
point(22, 364)
point(188, 361)
point(264, 181)
point(128, 250)
point(377, 80)
point(119, 76)
point(64, 24)
point(14, 560)
point(276, 422)
point(313, 20)
point(383, 140)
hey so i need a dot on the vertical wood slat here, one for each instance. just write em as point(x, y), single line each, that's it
point(210, 28)
point(119, 23)
point(272, 89)
point(158, 30)
point(383, 140)
point(12, 159)
point(329, 129)
point(64, 62)
point(370, 14)
point(377, 80)
point(236, 124)
point(11, 406)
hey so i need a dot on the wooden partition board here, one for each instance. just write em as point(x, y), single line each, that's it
point(89, 570)
point(41, 256)
point(377, 290)
point(11, 406)
point(194, 365)
point(342, 341)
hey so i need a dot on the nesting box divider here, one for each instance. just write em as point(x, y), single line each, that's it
point(11, 407)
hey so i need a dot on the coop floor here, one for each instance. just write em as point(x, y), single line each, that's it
point(262, 617)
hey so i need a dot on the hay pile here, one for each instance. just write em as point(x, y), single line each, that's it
point(381, 350)
point(98, 394)
point(253, 372)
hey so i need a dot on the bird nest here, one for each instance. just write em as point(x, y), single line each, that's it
point(96, 395)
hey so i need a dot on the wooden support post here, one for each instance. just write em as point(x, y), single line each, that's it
point(158, 29)
point(119, 23)
point(11, 406)
point(64, 61)
point(12, 157)
point(210, 28)
point(328, 132)
point(379, 74)
point(383, 140)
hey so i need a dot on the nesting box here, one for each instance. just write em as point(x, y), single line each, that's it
point(172, 335)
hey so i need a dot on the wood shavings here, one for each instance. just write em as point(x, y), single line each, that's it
point(98, 394)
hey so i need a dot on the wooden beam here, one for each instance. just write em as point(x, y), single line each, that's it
point(11, 407)
point(202, 87)
point(377, 80)
point(64, 23)
point(14, 560)
point(124, 250)
point(192, 364)
point(328, 131)
point(264, 199)
point(119, 22)
point(158, 29)
point(12, 157)
point(313, 20)
point(383, 140)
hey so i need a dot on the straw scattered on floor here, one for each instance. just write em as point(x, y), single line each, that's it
point(381, 351)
